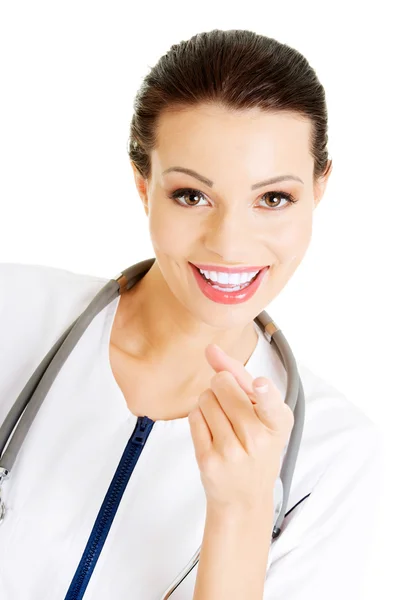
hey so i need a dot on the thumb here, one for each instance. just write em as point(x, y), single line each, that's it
point(270, 407)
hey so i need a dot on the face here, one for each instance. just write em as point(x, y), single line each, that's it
point(221, 220)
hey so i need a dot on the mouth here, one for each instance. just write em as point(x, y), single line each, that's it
point(229, 286)
point(226, 293)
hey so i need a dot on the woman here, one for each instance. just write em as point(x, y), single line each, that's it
point(176, 359)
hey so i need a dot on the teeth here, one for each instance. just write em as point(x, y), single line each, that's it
point(229, 278)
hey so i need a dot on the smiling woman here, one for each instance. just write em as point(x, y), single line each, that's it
point(170, 445)
point(254, 143)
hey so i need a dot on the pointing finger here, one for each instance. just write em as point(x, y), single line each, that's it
point(220, 361)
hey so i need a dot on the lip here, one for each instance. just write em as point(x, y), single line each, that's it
point(226, 297)
point(219, 268)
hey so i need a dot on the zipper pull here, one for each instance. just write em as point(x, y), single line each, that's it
point(142, 430)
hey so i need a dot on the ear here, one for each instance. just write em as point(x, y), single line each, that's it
point(141, 186)
point(320, 186)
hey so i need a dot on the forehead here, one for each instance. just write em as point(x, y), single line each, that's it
point(211, 135)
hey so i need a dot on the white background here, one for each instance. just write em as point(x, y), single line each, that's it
point(69, 74)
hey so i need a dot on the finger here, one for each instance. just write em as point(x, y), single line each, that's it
point(220, 361)
point(200, 432)
point(223, 435)
point(271, 408)
point(237, 407)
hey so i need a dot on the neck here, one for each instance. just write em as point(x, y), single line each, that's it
point(158, 330)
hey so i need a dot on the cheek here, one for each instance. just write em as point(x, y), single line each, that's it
point(168, 233)
point(292, 242)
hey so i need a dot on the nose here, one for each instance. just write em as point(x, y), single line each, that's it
point(231, 234)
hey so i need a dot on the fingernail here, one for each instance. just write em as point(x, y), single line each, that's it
point(217, 348)
point(262, 388)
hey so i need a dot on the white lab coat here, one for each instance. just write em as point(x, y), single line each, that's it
point(65, 466)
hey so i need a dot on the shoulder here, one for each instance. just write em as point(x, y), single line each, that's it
point(40, 279)
point(28, 291)
point(37, 304)
point(36, 301)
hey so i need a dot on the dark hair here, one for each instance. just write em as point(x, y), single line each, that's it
point(236, 69)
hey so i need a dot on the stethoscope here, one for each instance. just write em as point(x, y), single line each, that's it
point(34, 392)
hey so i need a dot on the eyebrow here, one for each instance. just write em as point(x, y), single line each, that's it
point(210, 183)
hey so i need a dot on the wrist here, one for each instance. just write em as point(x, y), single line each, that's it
point(234, 551)
point(259, 510)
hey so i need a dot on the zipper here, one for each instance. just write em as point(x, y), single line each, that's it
point(109, 508)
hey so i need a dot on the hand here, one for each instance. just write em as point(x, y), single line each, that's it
point(239, 435)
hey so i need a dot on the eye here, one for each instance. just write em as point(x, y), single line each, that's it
point(274, 195)
point(192, 194)
point(188, 192)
